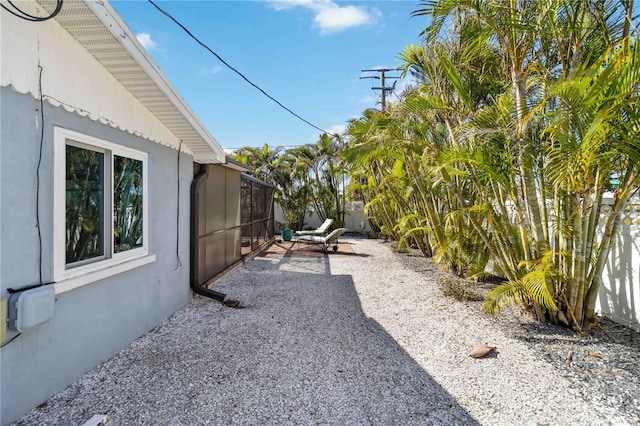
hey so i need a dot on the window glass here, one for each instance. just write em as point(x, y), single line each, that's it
point(100, 205)
point(84, 204)
point(127, 203)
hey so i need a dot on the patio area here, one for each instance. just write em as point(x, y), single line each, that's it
point(353, 337)
point(302, 248)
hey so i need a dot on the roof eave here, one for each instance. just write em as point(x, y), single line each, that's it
point(112, 22)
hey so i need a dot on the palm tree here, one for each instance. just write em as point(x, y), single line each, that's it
point(261, 160)
point(292, 189)
point(369, 162)
point(515, 26)
point(327, 172)
point(558, 133)
point(459, 75)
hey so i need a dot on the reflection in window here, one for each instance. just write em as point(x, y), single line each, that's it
point(84, 204)
point(104, 204)
point(127, 203)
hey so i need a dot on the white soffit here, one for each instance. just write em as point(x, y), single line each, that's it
point(101, 31)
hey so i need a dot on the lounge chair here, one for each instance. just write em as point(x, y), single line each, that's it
point(318, 231)
point(326, 241)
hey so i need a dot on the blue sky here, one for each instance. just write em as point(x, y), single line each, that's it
point(305, 53)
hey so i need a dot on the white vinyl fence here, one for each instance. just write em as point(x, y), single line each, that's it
point(354, 218)
point(619, 295)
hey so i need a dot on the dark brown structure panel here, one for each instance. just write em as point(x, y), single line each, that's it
point(232, 216)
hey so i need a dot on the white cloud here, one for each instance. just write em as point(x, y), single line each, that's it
point(146, 41)
point(333, 18)
point(330, 17)
point(289, 4)
point(205, 72)
point(338, 128)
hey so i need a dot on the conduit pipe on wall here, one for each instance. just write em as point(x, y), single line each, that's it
point(194, 283)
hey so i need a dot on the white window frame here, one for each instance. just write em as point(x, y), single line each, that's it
point(68, 278)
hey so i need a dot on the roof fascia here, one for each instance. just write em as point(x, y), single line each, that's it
point(236, 165)
point(112, 21)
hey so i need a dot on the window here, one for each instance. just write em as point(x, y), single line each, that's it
point(100, 202)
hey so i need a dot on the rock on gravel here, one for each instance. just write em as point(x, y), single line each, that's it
point(343, 339)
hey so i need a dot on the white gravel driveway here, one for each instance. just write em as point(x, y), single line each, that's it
point(340, 340)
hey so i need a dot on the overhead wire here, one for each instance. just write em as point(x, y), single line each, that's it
point(179, 262)
point(197, 40)
point(16, 11)
point(38, 228)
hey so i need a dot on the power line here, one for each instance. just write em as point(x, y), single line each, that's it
point(168, 15)
point(16, 11)
point(383, 89)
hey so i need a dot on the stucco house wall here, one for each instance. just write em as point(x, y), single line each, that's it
point(46, 70)
point(94, 321)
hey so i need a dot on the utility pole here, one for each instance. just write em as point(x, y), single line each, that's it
point(384, 90)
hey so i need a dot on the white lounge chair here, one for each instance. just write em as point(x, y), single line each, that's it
point(326, 241)
point(318, 231)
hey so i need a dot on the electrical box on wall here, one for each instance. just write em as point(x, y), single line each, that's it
point(31, 308)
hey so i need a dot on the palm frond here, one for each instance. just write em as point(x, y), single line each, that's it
point(531, 288)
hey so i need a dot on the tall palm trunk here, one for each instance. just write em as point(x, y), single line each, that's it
point(526, 162)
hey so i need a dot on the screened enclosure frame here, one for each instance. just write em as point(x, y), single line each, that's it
point(231, 218)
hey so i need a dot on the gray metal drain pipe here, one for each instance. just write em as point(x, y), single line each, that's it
point(198, 180)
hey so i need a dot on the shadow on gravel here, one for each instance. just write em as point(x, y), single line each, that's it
point(608, 334)
point(604, 363)
point(311, 356)
point(301, 352)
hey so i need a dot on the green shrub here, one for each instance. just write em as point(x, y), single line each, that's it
point(459, 289)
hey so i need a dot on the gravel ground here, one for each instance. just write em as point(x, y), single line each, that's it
point(354, 339)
